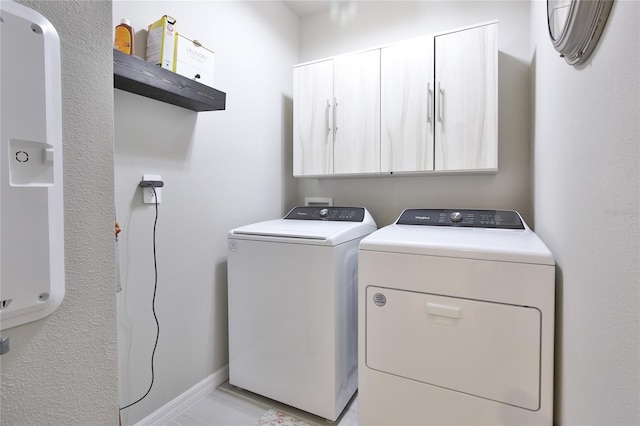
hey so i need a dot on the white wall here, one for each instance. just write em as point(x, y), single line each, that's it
point(586, 179)
point(379, 22)
point(62, 370)
point(221, 169)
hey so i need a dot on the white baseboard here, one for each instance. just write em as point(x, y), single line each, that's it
point(179, 404)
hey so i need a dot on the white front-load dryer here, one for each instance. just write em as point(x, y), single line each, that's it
point(292, 291)
point(456, 321)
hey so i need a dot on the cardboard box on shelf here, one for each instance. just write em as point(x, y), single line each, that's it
point(194, 61)
point(161, 43)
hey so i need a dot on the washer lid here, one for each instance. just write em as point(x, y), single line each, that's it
point(328, 226)
point(508, 245)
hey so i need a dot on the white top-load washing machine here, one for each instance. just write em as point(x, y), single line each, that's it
point(456, 321)
point(292, 286)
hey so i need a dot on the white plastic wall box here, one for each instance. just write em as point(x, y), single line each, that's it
point(31, 203)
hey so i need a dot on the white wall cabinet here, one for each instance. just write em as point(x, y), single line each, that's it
point(313, 119)
point(466, 78)
point(336, 116)
point(356, 141)
point(427, 104)
point(407, 115)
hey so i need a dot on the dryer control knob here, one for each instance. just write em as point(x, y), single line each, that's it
point(455, 217)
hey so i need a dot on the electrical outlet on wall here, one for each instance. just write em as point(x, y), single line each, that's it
point(150, 193)
point(149, 196)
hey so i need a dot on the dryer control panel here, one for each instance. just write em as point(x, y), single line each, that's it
point(503, 219)
point(339, 214)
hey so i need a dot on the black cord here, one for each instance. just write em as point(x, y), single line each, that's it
point(153, 304)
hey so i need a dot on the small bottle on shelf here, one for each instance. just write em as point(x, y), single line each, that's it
point(124, 38)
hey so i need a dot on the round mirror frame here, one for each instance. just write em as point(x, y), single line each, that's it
point(581, 31)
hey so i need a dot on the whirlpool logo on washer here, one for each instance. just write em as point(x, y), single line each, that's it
point(379, 299)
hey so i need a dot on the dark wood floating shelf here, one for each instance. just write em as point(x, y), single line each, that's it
point(138, 76)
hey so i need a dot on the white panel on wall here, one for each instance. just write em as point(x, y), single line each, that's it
point(32, 249)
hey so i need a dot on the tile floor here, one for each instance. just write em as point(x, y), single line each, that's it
point(231, 406)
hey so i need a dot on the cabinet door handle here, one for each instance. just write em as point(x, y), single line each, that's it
point(326, 117)
point(335, 121)
point(429, 103)
point(440, 102)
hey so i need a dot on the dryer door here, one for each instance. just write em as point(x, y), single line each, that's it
point(485, 349)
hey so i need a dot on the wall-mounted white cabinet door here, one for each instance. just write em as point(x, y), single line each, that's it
point(313, 119)
point(407, 114)
point(466, 64)
point(357, 113)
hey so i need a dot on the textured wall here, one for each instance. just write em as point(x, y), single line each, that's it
point(587, 175)
point(62, 370)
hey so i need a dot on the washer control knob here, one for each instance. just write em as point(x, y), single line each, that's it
point(455, 217)
point(324, 212)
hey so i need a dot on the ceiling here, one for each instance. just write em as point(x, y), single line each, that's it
point(307, 7)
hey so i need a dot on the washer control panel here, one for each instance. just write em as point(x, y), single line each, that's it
point(339, 214)
point(503, 219)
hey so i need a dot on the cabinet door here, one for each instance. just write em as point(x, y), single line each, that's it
point(467, 99)
point(356, 144)
point(406, 120)
point(313, 119)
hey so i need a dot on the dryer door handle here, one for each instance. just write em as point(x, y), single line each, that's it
point(440, 310)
